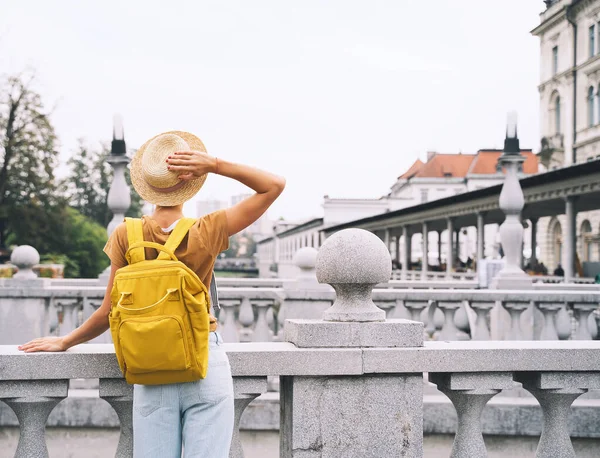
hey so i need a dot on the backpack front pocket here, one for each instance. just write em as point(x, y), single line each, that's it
point(146, 350)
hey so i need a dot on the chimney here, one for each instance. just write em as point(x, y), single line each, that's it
point(430, 155)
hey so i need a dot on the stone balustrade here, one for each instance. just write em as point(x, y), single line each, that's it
point(469, 373)
point(255, 314)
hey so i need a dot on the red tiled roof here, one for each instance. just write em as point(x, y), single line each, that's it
point(459, 165)
point(446, 165)
point(486, 161)
point(413, 169)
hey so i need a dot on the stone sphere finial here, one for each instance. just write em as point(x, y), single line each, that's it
point(306, 259)
point(25, 257)
point(353, 261)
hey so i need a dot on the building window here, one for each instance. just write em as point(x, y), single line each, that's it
point(592, 44)
point(424, 195)
point(590, 102)
point(557, 114)
point(555, 60)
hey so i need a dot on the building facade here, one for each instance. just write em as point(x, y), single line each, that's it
point(569, 33)
point(441, 176)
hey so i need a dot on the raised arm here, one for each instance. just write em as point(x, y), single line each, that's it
point(266, 185)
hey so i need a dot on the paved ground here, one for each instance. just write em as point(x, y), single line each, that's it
point(102, 443)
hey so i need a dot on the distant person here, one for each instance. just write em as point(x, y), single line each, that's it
point(559, 272)
point(166, 171)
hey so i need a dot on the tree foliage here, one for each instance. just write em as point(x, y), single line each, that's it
point(28, 154)
point(89, 181)
point(34, 206)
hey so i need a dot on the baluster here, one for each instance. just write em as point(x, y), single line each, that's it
point(70, 308)
point(32, 401)
point(399, 311)
point(556, 391)
point(469, 393)
point(229, 330)
point(281, 320)
point(387, 306)
point(262, 333)
point(549, 310)
point(119, 394)
point(415, 307)
point(449, 330)
point(245, 390)
point(482, 310)
point(246, 319)
point(270, 316)
point(583, 312)
point(515, 309)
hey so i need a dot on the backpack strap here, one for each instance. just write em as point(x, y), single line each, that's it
point(214, 295)
point(135, 234)
point(178, 234)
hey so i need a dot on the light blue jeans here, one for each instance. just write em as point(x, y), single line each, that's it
point(196, 415)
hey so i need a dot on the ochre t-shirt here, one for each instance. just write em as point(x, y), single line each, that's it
point(198, 250)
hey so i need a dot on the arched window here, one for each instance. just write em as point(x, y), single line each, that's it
point(591, 111)
point(557, 114)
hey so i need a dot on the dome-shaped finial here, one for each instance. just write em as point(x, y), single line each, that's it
point(25, 257)
point(306, 259)
point(353, 261)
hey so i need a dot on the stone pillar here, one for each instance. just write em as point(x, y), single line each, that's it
point(511, 203)
point(398, 245)
point(405, 252)
point(480, 237)
point(570, 239)
point(439, 234)
point(534, 223)
point(425, 261)
point(119, 198)
point(450, 247)
point(352, 415)
point(387, 239)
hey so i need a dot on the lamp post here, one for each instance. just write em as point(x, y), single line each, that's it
point(119, 198)
point(511, 203)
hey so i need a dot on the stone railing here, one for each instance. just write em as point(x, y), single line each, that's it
point(469, 373)
point(351, 384)
point(257, 314)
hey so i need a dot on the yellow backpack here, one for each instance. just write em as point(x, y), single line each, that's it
point(159, 318)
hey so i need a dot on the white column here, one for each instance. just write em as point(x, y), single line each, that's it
point(480, 237)
point(533, 222)
point(405, 251)
point(398, 259)
point(569, 243)
point(450, 247)
point(425, 262)
point(387, 238)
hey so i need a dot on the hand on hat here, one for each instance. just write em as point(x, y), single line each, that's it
point(191, 164)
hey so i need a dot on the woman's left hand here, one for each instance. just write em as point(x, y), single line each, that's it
point(191, 164)
point(44, 344)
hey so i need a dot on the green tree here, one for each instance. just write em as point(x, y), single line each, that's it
point(28, 156)
point(89, 181)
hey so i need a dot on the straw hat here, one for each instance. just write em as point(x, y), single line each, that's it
point(150, 176)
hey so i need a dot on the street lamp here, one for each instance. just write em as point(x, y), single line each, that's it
point(119, 198)
point(511, 203)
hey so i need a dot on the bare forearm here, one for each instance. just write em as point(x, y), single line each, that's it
point(95, 325)
point(258, 180)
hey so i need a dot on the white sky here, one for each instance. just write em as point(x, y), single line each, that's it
point(338, 96)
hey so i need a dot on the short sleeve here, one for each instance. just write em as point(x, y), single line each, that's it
point(214, 232)
point(116, 246)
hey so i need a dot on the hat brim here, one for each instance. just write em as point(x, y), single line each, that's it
point(179, 196)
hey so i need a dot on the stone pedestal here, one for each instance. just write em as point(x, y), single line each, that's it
point(352, 416)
